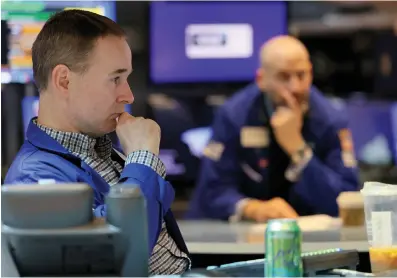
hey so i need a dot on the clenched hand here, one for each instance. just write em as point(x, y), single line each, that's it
point(137, 133)
point(286, 123)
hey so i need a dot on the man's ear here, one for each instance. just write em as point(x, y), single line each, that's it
point(60, 76)
point(260, 78)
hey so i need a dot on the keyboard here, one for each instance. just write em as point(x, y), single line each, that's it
point(314, 264)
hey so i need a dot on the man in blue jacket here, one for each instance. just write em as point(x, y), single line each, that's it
point(278, 149)
point(81, 62)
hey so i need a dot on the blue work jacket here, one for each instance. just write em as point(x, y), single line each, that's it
point(233, 169)
point(42, 157)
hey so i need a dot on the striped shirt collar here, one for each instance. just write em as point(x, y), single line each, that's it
point(80, 144)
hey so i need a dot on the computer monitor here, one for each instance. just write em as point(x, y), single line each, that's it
point(25, 20)
point(4, 43)
point(30, 109)
point(48, 229)
point(374, 131)
point(195, 41)
point(185, 129)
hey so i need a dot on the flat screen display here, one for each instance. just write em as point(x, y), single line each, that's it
point(373, 131)
point(25, 19)
point(30, 109)
point(184, 133)
point(211, 41)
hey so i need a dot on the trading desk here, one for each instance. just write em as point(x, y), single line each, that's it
point(215, 242)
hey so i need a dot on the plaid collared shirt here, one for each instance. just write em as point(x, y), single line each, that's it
point(166, 258)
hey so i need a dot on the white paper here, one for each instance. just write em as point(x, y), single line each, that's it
point(308, 224)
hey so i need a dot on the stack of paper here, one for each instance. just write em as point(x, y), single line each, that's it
point(308, 224)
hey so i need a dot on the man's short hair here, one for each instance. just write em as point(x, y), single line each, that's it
point(68, 38)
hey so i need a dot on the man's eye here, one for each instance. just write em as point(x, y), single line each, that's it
point(284, 76)
point(116, 80)
point(301, 75)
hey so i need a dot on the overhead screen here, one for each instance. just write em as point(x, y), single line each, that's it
point(210, 41)
point(25, 19)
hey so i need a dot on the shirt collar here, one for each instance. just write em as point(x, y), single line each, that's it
point(80, 144)
point(269, 106)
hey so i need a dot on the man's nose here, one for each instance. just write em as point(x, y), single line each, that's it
point(127, 97)
point(294, 84)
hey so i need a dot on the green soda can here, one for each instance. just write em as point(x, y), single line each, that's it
point(283, 240)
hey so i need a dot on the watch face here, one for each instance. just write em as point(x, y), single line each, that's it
point(296, 158)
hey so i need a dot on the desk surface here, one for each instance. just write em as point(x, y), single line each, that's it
point(213, 237)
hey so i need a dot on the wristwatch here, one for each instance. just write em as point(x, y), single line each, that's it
point(300, 154)
point(300, 159)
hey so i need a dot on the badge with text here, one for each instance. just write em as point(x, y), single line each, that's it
point(346, 140)
point(214, 150)
point(346, 143)
point(254, 137)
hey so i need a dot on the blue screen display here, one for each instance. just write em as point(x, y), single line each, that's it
point(373, 131)
point(30, 109)
point(211, 41)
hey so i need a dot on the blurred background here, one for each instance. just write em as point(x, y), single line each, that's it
point(353, 46)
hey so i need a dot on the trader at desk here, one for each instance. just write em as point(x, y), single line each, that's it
point(81, 62)
point(278, 148)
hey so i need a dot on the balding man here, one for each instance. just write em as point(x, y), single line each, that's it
point(278, 149)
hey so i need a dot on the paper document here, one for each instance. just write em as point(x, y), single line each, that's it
point(308, 224)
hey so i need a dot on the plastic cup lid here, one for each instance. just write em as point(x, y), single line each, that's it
point(373, 188)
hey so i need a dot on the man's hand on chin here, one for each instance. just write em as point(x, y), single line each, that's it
point(287, 124)
point(138, 134)
point(287, 130)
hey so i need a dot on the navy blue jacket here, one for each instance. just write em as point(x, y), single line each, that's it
point(42, 157)
point(255, 172)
